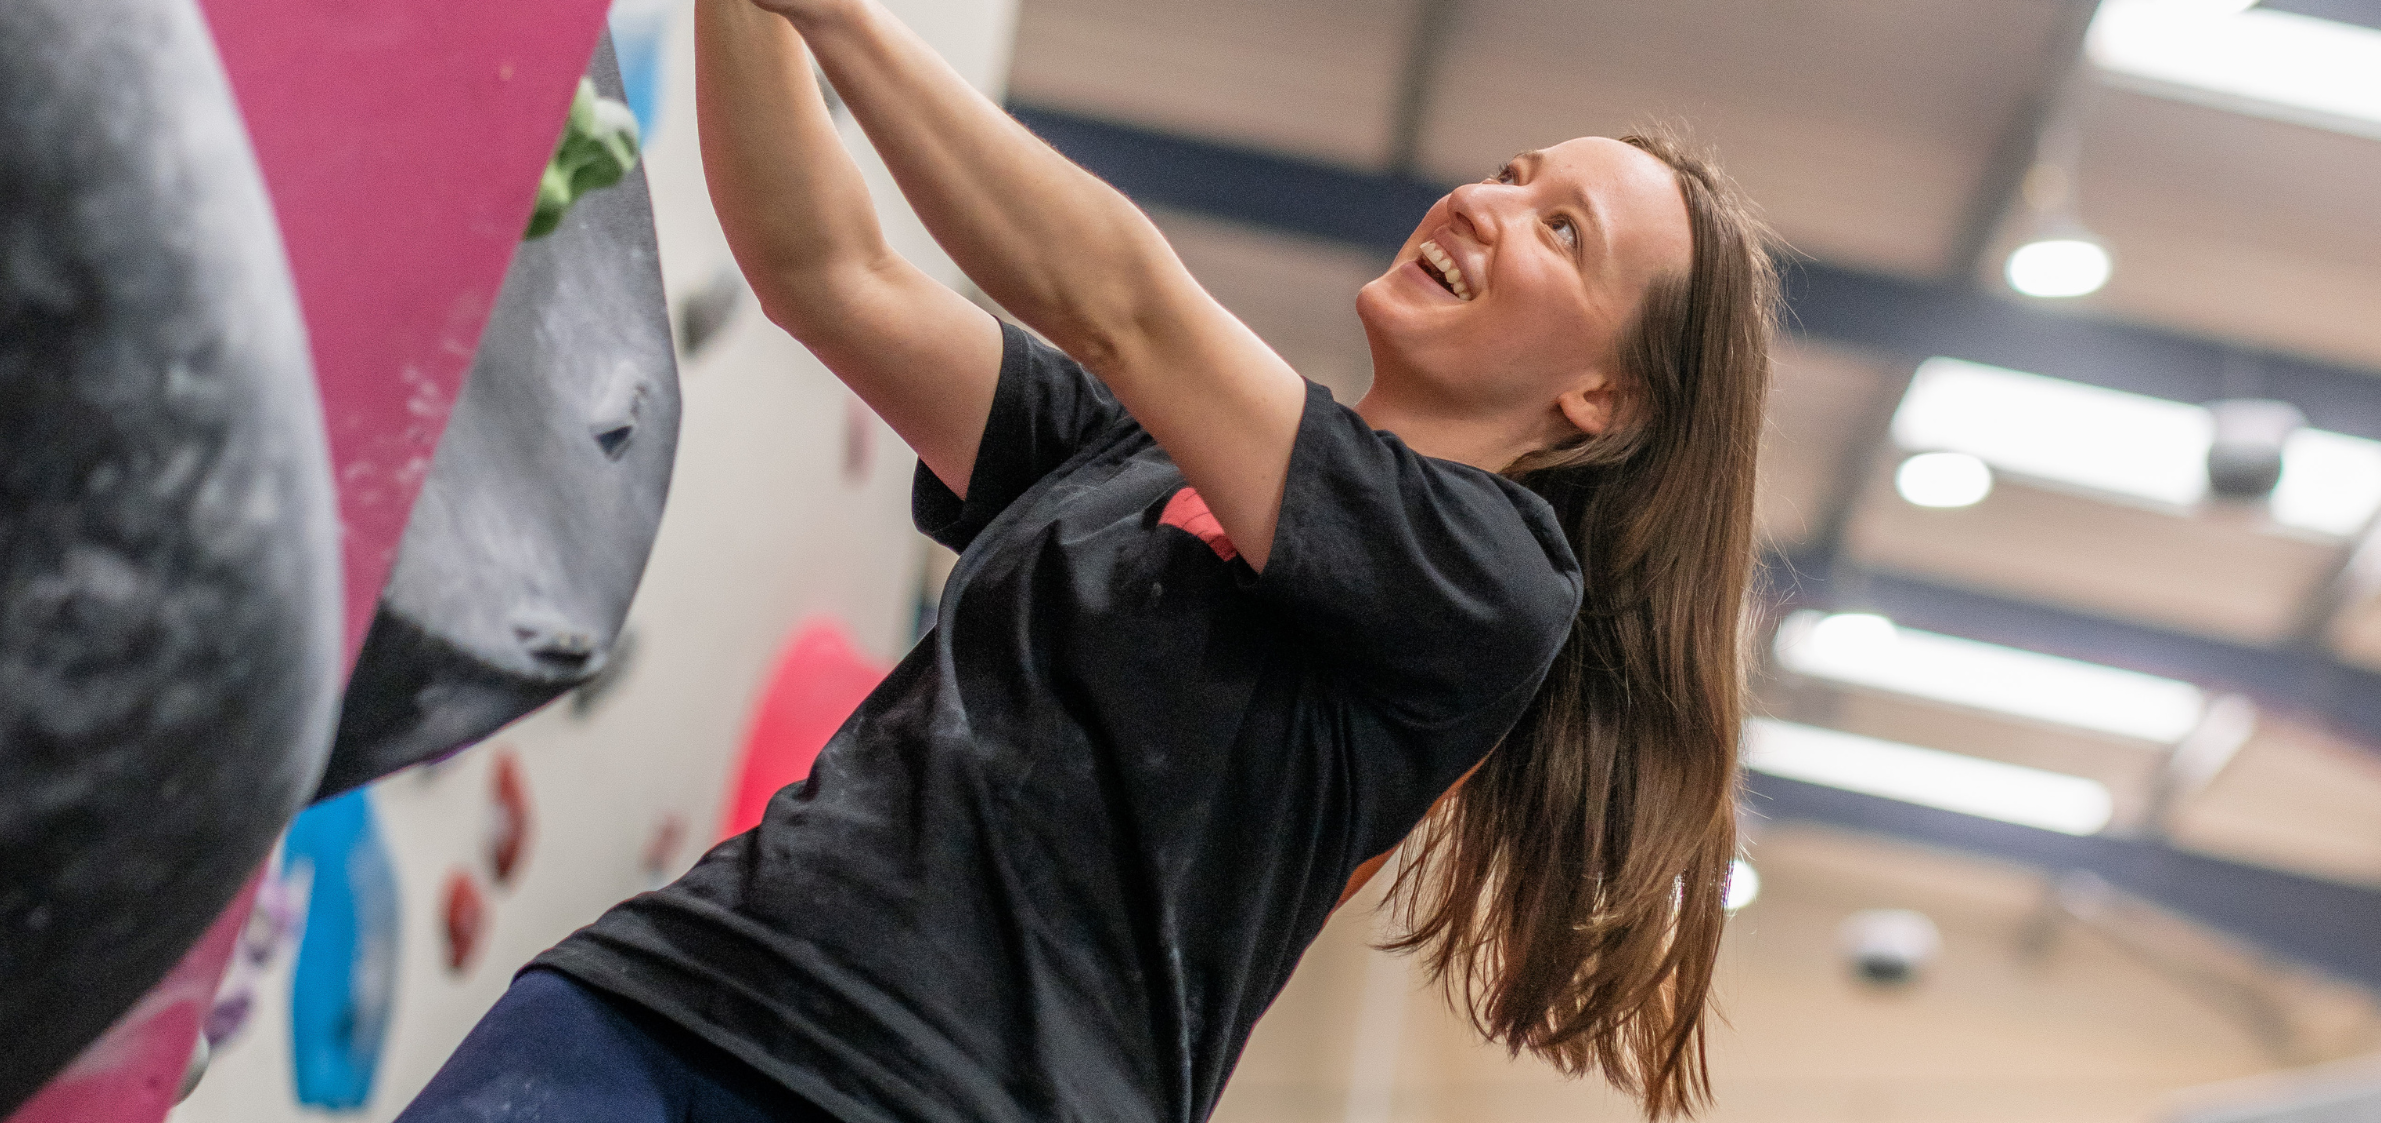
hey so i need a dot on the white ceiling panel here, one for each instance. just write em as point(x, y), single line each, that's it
point(2232, 226)
point(1820, 399)
point(2294, 798)
point(1314, 78)
point(1861, 126)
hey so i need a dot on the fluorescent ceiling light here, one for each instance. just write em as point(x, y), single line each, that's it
point(2058, 267)
point(2124, 444)
point(1949, 781)
point(1943, 479)
point(2049, 428)
point(1861, 649)
point(2276, 64)
point(1744, 884)
point(2330, 482)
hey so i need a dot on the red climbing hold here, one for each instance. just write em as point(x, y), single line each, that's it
point(466, 919)
point(508, 833)
point(819, 680)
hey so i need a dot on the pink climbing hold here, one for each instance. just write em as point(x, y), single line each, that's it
point(819, 680)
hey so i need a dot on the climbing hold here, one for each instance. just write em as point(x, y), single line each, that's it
point(598, 146)
point(508, 834)
point(346, 974)
point(819, 680)
point(466, 919)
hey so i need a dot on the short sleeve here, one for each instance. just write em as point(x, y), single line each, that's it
point(1443, 588)
point(1045, 408)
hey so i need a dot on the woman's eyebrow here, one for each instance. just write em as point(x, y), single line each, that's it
point(1595, 215)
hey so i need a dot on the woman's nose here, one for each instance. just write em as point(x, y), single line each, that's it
point(1471, 210)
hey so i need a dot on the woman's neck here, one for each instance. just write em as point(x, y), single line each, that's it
point(1487, 442)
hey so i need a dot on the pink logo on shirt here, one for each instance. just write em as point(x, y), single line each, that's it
point(1188, 512)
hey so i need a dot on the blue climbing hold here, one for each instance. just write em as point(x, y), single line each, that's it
point(346, 973)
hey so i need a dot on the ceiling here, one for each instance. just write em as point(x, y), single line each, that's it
point(1877, 135)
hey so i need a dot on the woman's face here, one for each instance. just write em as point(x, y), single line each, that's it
point(1514, 291)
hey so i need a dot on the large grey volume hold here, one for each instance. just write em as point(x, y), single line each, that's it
point(169, 570)
point(532, 530)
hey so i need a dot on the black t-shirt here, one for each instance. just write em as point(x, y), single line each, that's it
point(1063, 857)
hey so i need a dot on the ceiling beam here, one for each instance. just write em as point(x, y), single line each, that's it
point(1998, 187)
point(2363, 13)
point(1434, 25)
point(2322, 924)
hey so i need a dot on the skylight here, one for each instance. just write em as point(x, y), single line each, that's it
point(2124, 444)
point(1863, 649)
point(2297, 68)
point(1968, 785)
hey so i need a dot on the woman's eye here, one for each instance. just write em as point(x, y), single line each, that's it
point(1565, 229)
point(1503, 175)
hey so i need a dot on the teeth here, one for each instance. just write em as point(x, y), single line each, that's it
point(1444, 262)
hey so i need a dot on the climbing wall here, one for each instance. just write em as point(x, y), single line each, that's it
point(785, 576)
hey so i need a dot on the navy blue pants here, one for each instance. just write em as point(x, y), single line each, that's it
point(553, 1051)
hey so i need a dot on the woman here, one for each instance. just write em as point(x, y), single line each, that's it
point(1214, 646)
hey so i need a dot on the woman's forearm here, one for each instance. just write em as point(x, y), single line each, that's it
point(804, 230)
point(793, 205)
point(1073, 259)
point(1059, 249)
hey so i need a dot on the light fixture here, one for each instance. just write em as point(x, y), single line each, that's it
point(2142, 448)
point(2245, 59)
point(1943, 479)
point(1967, 785)
point(2057, 258)
point(1744, 884)
point(2075, 265)
point(1862, 649)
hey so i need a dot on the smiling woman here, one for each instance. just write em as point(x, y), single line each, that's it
point(1215, 644)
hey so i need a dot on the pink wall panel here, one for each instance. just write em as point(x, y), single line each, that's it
point(402, 142)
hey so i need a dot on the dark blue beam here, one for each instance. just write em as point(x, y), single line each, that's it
point(2363, 13)
point(2322, 924)
point(1829, 301)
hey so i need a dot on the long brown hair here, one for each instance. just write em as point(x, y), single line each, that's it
point(1569, 893)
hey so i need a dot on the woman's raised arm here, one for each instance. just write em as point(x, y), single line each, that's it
point(1072, 258)
point(798, 216)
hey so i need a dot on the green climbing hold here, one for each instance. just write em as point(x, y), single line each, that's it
point(598, 146)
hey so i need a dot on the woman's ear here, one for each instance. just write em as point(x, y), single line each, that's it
point(1590, 407)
